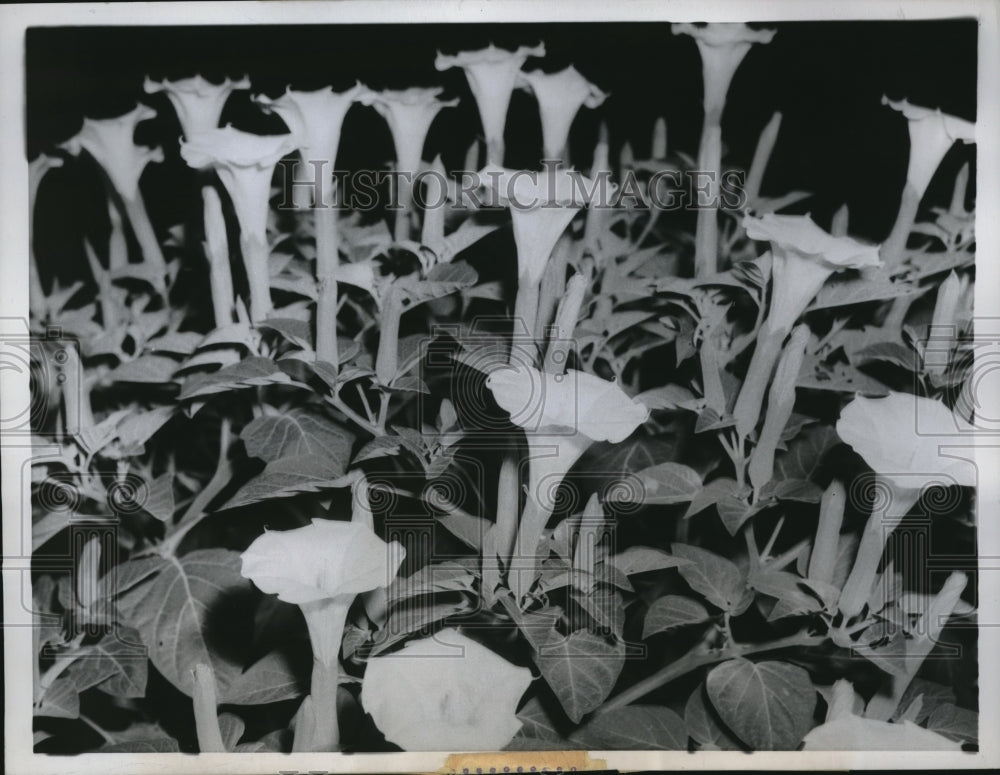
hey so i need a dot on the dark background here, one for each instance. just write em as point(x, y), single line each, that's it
point(827, 78)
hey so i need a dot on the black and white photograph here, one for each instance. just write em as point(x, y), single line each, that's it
point(463, 379)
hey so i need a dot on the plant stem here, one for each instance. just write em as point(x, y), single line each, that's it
point(401, 228)
point(525, 314)
point(327, 259)
point(494, 151)
point(895, 244)
point(145, 235)
point(206, 712)
point(255, 261)
point(707, 230)
point(696, 659)
point(387, 358)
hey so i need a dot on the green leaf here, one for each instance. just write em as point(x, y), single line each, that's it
point(875, 285)
point(714, 492)
point(634, 728)
point(891, 352)
point(298, 432)
point(805, 453)
point(672, 611)
point(247, 373)
point(297, 332)
point(61, 700)
point(442, 280)
point(232, 727)
point(157, 745)
point(641, 559)
point(116, 665)
point(714, 577)
point(536, 722)
point(176, 613)
point(769, 705)
point(177, 342)
point(160, 499)
point(269, 679)
point(290, 476)
point(668, 397)
point(581, 668)
point(669, 483)
point(789, 591)
point(146, 369)
point(955, 722)
point(702, 725)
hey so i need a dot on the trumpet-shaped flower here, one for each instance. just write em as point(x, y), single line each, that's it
point(321, 567)
point(492, 74)
point(560, 97)
point(323, 560)
point(409, 113)
point(722, 48)
point(900, 437)
point(445, 693)
point(562, 415)
point(804, 257)
point(111, 142)
point(245, 163)
point(541, 207)
point(197, 102)
point(932, 133)
point(314, 118)
point(854, 733)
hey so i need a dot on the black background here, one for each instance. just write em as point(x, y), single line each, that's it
point(827, 78)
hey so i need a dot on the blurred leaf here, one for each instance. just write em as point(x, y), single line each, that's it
point(672, 611)
point(160, 499)
point(442, 280)
point(295, 433)
point(247, 373)
point(932, 694)
point(177, 342)
point(291, 476)
point(955, 722)
point(714, 577)
point(768, 704)
point(61, 700)
point(634, 728)
point(787, 588)
point(157, 745)
point(232, 727)
point(891, 352)
point(146, 369)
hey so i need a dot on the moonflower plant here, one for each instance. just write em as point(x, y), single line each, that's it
point(932, 133)
point(315, 119)
point(445, 693)
point(245, 164)
point(111, 143)
point(409, 113)
point(722, 48)
point(803, 258)
point(541, 207)
point(197, 102)
point(900, 436)
point(562, 414)
point(492, 74)
point(560, 97)
point(321, 568)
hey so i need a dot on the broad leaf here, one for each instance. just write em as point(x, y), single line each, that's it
point(291, 476)
point(635, 728)
point(672, 611)
point(805, 453)
point(298, 432)
point(247, 373)
point(581, 668)
point(115, 665)
point(715, 577)
point(177, 611)
point(702, 725)
point(669, 483)
point(769, 705)
point(640, 559)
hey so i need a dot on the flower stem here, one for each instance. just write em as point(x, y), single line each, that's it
point(494, 151)
point(895, 244)
point(206, 716)
point(751, 396)
point(327, 259)
point(881, 523)
point(326, 729)
point(707, 230)
point(217, 252)
point(387, 358)
point(401, 228)
point(525, 314)
point(255, 261)
point(145, 235)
